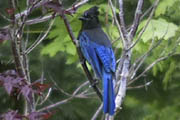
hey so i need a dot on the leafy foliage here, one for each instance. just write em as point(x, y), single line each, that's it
point(164, 6)
point(159, 28)
point(13, 115)
point(168, 76)
point(13, 83)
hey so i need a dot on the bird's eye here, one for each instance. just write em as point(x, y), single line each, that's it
point(85, 15)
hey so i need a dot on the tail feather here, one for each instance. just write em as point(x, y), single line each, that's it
point(108, 98)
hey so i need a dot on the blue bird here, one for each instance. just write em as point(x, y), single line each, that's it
point(97, 50)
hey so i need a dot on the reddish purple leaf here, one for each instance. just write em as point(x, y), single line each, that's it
point(10, 11)
point(46, 116)
point(36, 116)
point(13, 83)
point(11, 115)
point(10, 80)
point(27, 91)
point(41, 87)
point(8, 85)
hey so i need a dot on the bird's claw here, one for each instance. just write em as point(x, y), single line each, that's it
point(96, 81)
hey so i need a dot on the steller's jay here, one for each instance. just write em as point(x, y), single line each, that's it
point(97, 50)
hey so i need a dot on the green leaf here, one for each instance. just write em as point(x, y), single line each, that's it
point(71, 59)
point(159, 28)
point(88, 66)
point(168, 75)
point(70, 48)
point(155, 70)
point(52, 48)
point(163, 6)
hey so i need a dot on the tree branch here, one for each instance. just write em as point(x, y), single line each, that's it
point(122, 23)
point(55, 105)
point(140, 86)
point(38, 41)
point(37, 20)
point(136, 18)
point(151, 65)
point(74, 95)
point(144, 28)
point(116, 21)
point(97, 112)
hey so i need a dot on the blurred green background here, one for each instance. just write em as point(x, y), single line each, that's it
point(56, 57)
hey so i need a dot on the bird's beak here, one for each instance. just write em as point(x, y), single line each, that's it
point(83, 18)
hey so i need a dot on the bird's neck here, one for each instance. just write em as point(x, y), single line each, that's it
point(90, 25)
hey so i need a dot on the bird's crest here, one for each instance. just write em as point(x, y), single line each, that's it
point(92, 12)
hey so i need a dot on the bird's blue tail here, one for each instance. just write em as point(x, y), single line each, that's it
point(109, 97)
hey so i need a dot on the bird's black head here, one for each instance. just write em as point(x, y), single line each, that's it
point(90, 18)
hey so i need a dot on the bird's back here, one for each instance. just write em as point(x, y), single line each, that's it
point(98, 36)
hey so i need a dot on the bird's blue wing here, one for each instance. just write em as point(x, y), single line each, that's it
point(106, 55)
point(97, 55)
point(88, 50)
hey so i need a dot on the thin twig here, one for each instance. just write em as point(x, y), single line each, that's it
point(145, 27)
point(55, 105)
point(4, 17)
point(121, 20)
point(116, 21)
point(77, 5)
point(48, 17)
point(147, 12)
point(136, 18)
point(60, 89)
point(37, 42)
point(97, 112)
point(75, 95)
point(80, 87)
point(46, 96)
point(140, 86)
point(141, 60)
point(150, 66)
point(27, 11)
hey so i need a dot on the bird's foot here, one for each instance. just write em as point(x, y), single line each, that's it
point(95, 82)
